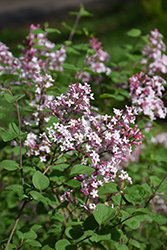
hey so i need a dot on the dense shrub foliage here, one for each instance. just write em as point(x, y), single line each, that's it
point(83, 143)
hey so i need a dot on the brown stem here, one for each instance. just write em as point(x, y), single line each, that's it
point(153, 194)
point(16, 222)
point(51, 165)
point(74, 27)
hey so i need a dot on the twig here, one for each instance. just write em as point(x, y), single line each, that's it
point(74, 27)
point(153, 194)
point(52, 165)
point(16, 222)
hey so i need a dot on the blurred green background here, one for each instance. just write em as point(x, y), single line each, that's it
point(109, 24)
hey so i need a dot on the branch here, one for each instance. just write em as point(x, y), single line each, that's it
point(153, 194)
point(16, 222)
point(74, 27)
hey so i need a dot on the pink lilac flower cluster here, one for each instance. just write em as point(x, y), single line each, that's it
point(95, 62)
point(146, 94)
point(159, 205)
point(42, 83)
point(8, 63)
point(93, 137)
point(154, 58)
point(160, 139)
point(39, 52)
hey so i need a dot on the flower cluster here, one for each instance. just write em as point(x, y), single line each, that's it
point(39, 52)
point(101, 141)
point(95, 62)
point(42, 83)
point(8, 63)
point(158, 203)
point(160, 139)
point(154, 58)
point(146, 94)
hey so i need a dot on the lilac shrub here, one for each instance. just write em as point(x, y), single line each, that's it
point(101, 140)
point(146, 94)
point(95, 63)
point(74, 165)
point(154, 59)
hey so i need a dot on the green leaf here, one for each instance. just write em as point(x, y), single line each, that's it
point(47, 247)
point(147, 188)
point(67, 43)
point(37, 31)
point(135, 194)
point(141, 211)
point(81, 169)
point(9, 165)
point(40, 181)
point(133, 223)
point(60, 167)
point(67, 26)
point(18, 97)
point(13, 128)
point(155, 180)
point(145, 39)
point(36, 227)
point(37, 46)
point(73, 183)
point(134, 32)
point(159, 157)
point(38, 196)
point(82, 46)
point(121, 247)
point(61, 244)
point(9, 98)
point(47, 199)
point(116, 97)
point(30, 235)
point(7, 136)
point(158, 218)
point(74, 232)
point(14, 187)
point(2, 115)
point(103, 234)
point(16, 151)
point(9, 77)
point(73, 13)
point(133, 57)
point(70, 67)
point(90, 223)
point(164, 229)
point(11, 246)
point(84, 12)
point(58, 217)
point(51, 30)
point(108, 188)
point(123, 92)
point(103, 213)
point(70, 50)
point(134, 243)
point(91, 52)
point(33, 243)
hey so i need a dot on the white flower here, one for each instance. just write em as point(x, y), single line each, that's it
point(92, 206)
point(94, 193)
